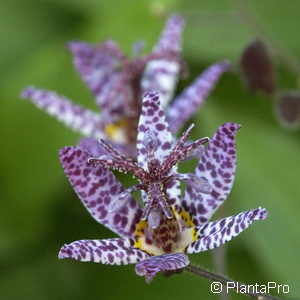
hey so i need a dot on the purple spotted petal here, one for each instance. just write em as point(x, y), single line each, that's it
point(217, 233)
point(217, 166)
point(170, 39)
point(111, 251)
point(192, 98)
point(95, 65)
point(153, 119)
point(161, 75)
point(94, 147)
point(166, 262)
point(99, 66)
point(74, 116)
point(97, 187)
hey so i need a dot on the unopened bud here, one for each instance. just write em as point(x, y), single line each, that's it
point(288, 109)
point(257, 67)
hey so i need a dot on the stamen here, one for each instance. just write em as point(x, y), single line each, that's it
point(122, 199)
point(154, 217)
point(156, 196)
point(194, 154)
point(112, 151)
point(182, 140)
point(198, 184)
point(187, 150)
point(151, 143)
point(150, 140)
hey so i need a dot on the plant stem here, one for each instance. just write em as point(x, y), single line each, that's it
point(224, 281)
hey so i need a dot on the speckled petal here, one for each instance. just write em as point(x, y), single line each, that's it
point(110, 252)
point(74, 116)
point(162, 74)
point(192, 98)
point(97, 187)
point(217, 233)
point(171, 36)
point(153, 119)
point(101, 66)
point(166, 262)
point(217, 166)
point(96, 66)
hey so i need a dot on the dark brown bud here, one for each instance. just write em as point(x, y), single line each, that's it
point(257, 67)
point(288, 109)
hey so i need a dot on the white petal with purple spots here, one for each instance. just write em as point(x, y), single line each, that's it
point(161, 75)
point(74, 116)
point(217, 233)
point(97, 187)
point(110, 252)
point(165, 262)
point(217, 166)
point(153, 119)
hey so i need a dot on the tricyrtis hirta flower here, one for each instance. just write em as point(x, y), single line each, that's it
point(158, 236)
point(118, 83)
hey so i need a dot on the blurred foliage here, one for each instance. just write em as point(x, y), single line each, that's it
point(38, 209)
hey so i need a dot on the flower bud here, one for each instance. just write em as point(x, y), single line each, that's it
point(257, 67)
point(288, 109)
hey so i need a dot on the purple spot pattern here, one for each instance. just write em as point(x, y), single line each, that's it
point(117, 251)
point(165, 262)
point(217, 166)
point(99, 68)
point(161, 75)
point(153, 118)
point(192, 98)
point(97, 187)
point(74, 116)
point(216, 233)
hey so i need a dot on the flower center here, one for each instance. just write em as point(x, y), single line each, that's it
point(172, 235)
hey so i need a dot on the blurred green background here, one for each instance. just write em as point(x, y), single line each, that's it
point(39, 210)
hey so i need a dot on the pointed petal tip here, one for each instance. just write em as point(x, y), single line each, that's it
point(151, 95)
point(230, 128)
point(63, 252)
point(225, 65)
point(260, 214)
point(75, 46)
point(63, 151)
point(26, 93)
point(176, 19)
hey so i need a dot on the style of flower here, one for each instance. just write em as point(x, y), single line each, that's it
point(118, 83)
point(158, 236)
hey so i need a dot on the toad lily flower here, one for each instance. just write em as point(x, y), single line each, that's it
point(118, 83)
point(171, 225)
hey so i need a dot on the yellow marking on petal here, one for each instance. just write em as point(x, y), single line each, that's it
point(117, 131)
point(140, 228)
point(146, 241)
point(185, 217)
point(141, 243)
point(188, 236)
